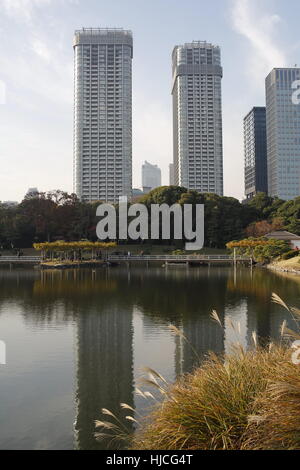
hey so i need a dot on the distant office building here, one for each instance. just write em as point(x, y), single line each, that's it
point(136, 192)
point(10, 203)
point(103, 114)
point(32, 192)
point(171, 174)
point(283, 134)
point(197, 117)
point(255, 145)
point(151, 177)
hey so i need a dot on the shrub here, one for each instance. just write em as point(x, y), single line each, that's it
point(210, 409)
point(277, 427)
point(290, 254)
point(178, 252)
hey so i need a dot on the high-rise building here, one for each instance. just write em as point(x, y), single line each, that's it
point(103, 114)
point(32, 192)
point(197, 117)
point(283, 134)
point(171, 174)
point(255, 145)
point(151, 176)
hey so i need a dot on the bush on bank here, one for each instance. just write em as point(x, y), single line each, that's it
point(290, 255)
point(250, 401)
point(260, 249)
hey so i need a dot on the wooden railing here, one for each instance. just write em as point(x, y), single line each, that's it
point(20, 259)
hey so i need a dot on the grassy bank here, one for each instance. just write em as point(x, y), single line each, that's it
point(250, 401)
point(290, 265)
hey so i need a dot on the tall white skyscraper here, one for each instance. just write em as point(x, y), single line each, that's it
point(197, 117)
point(283, 134)
point(103, 114)
point(151, 176)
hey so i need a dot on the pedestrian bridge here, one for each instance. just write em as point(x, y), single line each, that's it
point(166, 259)
point(178, 259)
point(20, 259)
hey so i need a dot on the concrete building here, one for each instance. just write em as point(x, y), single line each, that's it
point(137, 193)
point(283, 134)
point(32, 192)
point(255, 148)
point(103, 114)
point(197, 117)
point(10, 203)
point(171, 175)
point(151, 177)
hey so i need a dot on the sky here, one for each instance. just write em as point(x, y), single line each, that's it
point(36, 78)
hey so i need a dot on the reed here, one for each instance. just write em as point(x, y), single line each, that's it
point(212, 408)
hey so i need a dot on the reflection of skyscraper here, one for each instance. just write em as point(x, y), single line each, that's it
point(258, 315)
point(105, 369)
point(203, 334)
point(236, 325)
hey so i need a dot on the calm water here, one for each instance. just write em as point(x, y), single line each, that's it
point(77, 340)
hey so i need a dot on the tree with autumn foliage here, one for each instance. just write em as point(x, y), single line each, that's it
point(260, 249)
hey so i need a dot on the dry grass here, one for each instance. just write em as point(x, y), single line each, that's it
point(278, 423)
point(245, 400)
point(292, 264)
point(210, 409)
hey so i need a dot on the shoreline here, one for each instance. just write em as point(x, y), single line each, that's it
point(80, 264)
point(284, 267)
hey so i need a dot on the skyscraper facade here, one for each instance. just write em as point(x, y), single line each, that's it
point(283, 134)
point(171, 174)
point(103, 114)
point(151, 176)
point(255, 146)
point(197, 117)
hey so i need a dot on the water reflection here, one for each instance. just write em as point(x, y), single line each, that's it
point(104, 367)
point(103, 326)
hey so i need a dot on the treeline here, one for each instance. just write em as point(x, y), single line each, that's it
point(47, 217)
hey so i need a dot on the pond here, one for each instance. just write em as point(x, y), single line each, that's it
point(77, 340)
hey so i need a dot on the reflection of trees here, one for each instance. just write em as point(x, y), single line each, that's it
point(182, 297)
point(262, 283)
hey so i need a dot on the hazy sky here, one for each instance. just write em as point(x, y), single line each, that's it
point(36, 69)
